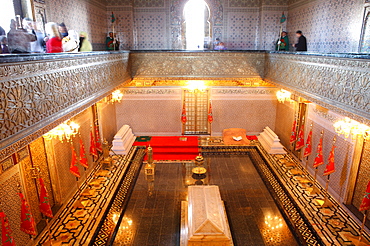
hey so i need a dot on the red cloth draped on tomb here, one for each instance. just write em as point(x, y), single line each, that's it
point(300, 141)
point(73, 168)
point(183, 114)
point(308, 149)
point(93, 150)
point(319, 159)
point(44, 200)
point(83, 159)
point(210, 114)
point(28, 224)
point(330, 167)
point(6, 232)
point(365, 205)
point(293, 136)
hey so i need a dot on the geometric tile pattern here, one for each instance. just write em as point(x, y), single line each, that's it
point(243, 3)
point(242, 30)
point(302, 228)
point(119, 2)
point(113, 216)
point(151, 3)
point(10, 203)
point(87, 16)
point(329, 26)
point(78, 220)
point(151, 30)
point(334, 224)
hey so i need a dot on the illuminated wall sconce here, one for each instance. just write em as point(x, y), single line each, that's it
point(352, 128)
point(63, 132)
point(116, 96)
point(196, 86)
point(283, 95)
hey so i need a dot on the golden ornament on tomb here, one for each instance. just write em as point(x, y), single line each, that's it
point(199, 160)
point(199, 170)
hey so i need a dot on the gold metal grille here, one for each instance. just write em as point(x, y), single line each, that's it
point(196, 104)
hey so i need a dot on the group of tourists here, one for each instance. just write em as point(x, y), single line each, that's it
point(24, 37)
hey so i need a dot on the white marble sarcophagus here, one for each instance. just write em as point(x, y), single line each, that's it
point(271, 142)
point(123, 140)
point(203, 218)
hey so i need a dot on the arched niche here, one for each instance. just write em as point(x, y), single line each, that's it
point(197, 25)
point(213, 28)
point(365, 35)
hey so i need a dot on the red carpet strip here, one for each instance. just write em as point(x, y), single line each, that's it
point(172, 148)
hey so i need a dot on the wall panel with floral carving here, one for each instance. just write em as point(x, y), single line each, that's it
point(39, 95)
point(342, 85)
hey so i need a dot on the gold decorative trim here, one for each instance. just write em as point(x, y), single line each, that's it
point(6, 164)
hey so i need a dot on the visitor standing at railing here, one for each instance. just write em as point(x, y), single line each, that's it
point(302, 42)
point(54, 43)
point(37, 46)
point(85, 44)
point(63, 30)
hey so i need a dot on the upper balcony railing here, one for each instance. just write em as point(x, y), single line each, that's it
point(37, 92)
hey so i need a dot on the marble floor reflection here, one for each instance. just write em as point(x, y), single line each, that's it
point(152, 216)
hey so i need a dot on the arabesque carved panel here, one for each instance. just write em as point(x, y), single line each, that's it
point(194, 65)
point(36, 94)
point(342, 85)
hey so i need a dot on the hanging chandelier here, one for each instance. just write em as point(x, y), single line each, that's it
point(63, 132)
point(352, 128)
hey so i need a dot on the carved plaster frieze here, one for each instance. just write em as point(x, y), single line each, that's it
point(194, 65)
point(37, 96)
point(341, 85)
point(149, 91)
point(245, 92)
point(332, 119)
point(242, 82)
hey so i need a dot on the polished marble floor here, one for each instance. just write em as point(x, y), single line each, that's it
point(152, 216)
